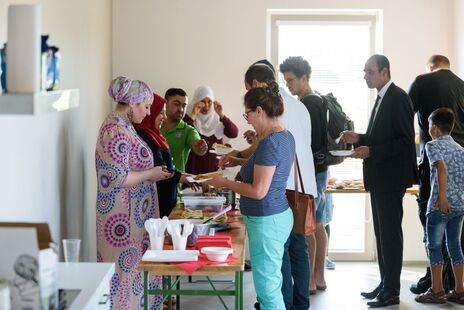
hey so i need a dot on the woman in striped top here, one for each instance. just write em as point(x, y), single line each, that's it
point(263, 203)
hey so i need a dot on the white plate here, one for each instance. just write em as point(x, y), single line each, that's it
point(191, 179)
point(170, 256)
point(221, 151)
point(341, 153)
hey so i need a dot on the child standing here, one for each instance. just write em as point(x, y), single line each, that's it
point(445, 209)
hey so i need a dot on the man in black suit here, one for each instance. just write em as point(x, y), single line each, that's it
point(436, 89)
point(389, 167)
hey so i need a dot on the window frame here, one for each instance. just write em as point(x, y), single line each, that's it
point(374, 18)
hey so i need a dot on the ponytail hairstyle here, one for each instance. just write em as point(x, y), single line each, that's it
point(268, 98)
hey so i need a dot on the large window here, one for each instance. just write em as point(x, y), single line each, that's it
point(336, 47)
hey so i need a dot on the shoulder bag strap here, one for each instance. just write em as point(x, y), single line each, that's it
point(295, 175)
point(299, 175)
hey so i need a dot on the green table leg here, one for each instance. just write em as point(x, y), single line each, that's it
point(169, 296)
point(145, 290)
point(238, 290)
point(241, 290)
point(178, 296)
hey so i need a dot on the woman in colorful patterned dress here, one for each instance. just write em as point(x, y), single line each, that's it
point(126, 194)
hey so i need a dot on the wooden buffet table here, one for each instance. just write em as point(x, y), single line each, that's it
point(236, 268)
point(412, 190)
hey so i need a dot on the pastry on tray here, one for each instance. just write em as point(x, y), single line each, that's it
point(205, 176)
point(349, 184)
point(204, 215)
point(220, 146)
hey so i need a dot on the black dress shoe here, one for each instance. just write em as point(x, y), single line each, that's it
point(384, 299)
point(418, 289)
point(373, 294)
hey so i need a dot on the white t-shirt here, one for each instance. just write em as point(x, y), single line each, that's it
point(297, 120)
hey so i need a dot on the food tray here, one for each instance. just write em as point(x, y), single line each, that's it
point(170, 256)
point(205, 203)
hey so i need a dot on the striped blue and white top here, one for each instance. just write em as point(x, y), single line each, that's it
point(278, 149)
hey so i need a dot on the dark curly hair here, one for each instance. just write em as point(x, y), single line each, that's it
point(296, 65)
point(268, 98)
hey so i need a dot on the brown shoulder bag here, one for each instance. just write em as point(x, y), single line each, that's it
point(303, 207)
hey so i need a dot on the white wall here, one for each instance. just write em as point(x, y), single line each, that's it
point(458, 66)
point(188, 43)
point(47, 161)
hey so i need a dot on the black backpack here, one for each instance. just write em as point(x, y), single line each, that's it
point(337, 121)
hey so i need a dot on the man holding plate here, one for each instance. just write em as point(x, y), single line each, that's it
point(389, 167)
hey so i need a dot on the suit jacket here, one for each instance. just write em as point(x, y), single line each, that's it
point(390, 138)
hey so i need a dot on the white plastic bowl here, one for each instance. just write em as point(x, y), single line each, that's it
point(216, 254)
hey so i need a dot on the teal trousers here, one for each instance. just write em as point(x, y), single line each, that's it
point(267, 236)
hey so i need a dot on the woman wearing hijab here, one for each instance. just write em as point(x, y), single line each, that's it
point(126, 195)
point(207, 116)
point(149, 131)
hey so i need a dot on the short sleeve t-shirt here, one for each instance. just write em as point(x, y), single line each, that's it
point(180, 140)
point(278, 149)
point(318, 113)
point(446, 149)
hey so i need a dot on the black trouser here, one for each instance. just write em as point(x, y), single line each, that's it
point(387, 214)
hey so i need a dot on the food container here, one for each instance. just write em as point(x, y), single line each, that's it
point(228, 194)
point(199, 229)
point(217, 254)
point(205, 203)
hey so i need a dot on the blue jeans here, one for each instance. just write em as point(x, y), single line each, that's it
point(267, 236)
point(321, 184)
point(296, 265)
point(449, 224)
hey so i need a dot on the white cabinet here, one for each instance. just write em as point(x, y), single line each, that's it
point(92, 279)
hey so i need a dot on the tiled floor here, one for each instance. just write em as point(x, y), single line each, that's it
point(344, 285)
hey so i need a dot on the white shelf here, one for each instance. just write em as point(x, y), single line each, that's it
point(38, 103)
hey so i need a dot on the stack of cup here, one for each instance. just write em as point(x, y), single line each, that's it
point(179, 231)
point(156, 229)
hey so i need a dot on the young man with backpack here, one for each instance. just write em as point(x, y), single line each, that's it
point(297, 73)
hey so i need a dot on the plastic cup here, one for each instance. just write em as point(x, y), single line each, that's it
point(71, 249)
point(179, 243)
point(156, 242)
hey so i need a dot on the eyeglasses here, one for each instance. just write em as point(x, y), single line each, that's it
point(245, 115)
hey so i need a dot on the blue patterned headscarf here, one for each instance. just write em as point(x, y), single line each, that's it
point(125, 90)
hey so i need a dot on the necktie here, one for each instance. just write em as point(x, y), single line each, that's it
point(376, 107)
point(374, 113)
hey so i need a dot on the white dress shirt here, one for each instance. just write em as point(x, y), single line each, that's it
point(297, 120)
point(381, 94)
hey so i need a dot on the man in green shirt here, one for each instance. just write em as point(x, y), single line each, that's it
point(181, 137)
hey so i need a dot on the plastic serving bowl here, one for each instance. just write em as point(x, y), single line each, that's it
point(217, 254)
